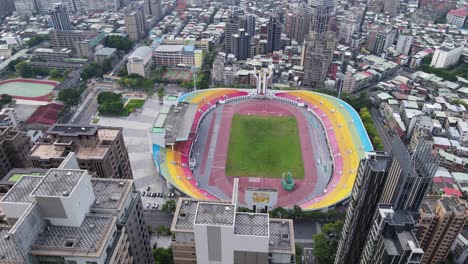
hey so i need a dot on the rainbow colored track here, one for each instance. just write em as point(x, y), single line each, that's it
point(346, 135)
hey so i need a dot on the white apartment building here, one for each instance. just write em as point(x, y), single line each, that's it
point(5, 51)
point(140, 61)
point(66, 216)
point(463, 129)
point(457, 17)
point(215, 232)
point(404, 44)
point(447, 55)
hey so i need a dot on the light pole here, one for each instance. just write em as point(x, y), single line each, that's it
point(194, 73)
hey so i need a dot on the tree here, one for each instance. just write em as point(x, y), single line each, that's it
point(12, 64)
point(5, 99)
point(163, 256)
point(297, 211)
point(169, 206)
point(108, 96)
point(23, 69)
point(92, 70)
point(119, 43)
point(299, 253)
point(70, 96)
point(33, 41)
point(54, 73)
point(160, 92)
point(163, 230)
point(326, 242)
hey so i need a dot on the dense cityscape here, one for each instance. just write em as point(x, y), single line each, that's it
point(233, 131)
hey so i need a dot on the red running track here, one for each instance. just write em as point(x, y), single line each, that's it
point(218, 177)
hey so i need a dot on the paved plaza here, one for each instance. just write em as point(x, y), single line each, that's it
point(136, 132)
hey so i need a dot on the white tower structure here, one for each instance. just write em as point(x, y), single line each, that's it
point(263, 75)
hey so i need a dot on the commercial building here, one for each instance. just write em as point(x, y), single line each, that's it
point(140, 61)
point(215, 232)
point(447, 55)
point(99, 150)
point(440, 222)
point(365, 196)
point(60, 18)
point(66, 216)
point(273, 34)
point(384, 40)
point(135, 23)
point(14, 148)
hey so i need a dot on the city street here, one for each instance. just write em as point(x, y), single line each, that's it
point(386, 138)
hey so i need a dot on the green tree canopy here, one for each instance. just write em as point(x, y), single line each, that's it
point(70, 96)
point(163, 256)
point(169, 206)
point(108, 96)
point(119, 43)
point(326, 242)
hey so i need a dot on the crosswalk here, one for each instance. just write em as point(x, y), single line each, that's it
point(304, 241)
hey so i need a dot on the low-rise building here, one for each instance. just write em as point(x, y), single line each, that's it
point(140, 61)
point(457, 17)
point(50, 55)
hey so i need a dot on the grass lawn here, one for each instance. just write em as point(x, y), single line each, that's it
point(57, 79)
point(264, 146)
point(134, 103)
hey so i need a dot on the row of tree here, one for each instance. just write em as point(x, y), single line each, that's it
point(111, 104)
point(297, 213)
point(27, 71)
point(370, 128)
point(119, 43)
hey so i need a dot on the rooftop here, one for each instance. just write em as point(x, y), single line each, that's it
point(251, 224)
point(72, 130)
point(109, 192)
point(185, 212)
point(87, 237)
point(281, 235)
point(8, 249)
point(58, 182)
point(21, 190)
point(215, 214)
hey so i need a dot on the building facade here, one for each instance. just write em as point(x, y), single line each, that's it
point(60, 18)
point(440, 222)
point(99, 150)
point(141, 61)
point(14, 148)
point(241, 41)
point(273, 34)
point(365, 196)
point(135, 23)
point(215, 232)
point(447, 55)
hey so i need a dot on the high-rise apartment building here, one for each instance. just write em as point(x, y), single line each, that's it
point(241, 42)
point(273, 34)
point(409, 177)
point(215, 232)
point(153, 8)
point(317, 57)
point(297, 25)
point(320, 43)
point(100, 150)
point(66, 216)
point(404, 43)
point(441, 219)
point(447, 55)
point(249, 21)
point(14, 149)
point(232, 26)
point(390, 7)
point(384, 40)
point(348, 27)
point(370, 180)
point(391, 238)
point(7, 7)
point(25, 7)
point(135, 23)
point(60, 18)
point(387, 194)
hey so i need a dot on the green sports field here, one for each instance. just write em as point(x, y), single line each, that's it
point(264, 146)
point(25, 89)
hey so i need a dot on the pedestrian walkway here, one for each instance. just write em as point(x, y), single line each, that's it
point(304, 241)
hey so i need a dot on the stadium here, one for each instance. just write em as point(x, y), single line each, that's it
point(204, 139)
